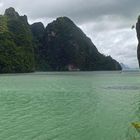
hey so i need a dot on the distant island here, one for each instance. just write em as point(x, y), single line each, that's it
point(124, 66)
point(61, 46)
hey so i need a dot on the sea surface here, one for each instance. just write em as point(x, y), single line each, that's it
point(69, 106)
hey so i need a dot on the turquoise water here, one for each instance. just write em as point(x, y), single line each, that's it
point(69, 106)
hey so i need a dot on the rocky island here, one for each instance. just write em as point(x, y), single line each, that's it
point(138, 36)
point(61, 46)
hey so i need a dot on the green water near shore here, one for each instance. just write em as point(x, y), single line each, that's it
point(69, 106)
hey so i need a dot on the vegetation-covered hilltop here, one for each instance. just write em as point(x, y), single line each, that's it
point(16, 47)
point(58, 47)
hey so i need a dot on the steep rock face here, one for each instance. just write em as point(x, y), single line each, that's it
point(66, 45)
point(58, 47)
point(38, 30)
point(16, 49)
point(138, 36)
point(11, 13)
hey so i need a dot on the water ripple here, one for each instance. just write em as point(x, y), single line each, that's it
point(123, 87)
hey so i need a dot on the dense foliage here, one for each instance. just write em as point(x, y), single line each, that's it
point(16, 49)
point(26, 48)
point(38, 30)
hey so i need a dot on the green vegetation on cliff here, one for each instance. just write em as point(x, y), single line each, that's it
point(3, 24)
point(38, 30)
point(59, 46)
point(16, 49)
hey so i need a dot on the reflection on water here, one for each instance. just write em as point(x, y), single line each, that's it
point(69, 106)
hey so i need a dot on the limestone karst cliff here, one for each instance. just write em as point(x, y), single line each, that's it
point(58, 47)
point(16, 47)
point(138, 36)
point(66, 44)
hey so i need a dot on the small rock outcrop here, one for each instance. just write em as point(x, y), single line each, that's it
point(11, 12)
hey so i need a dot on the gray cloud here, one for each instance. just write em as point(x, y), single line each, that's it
point(79, 10)
point(106, 22)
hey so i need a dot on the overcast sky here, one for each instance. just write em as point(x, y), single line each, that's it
point(107, 22)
